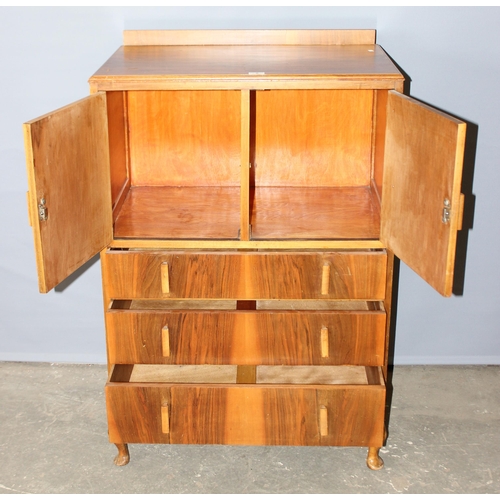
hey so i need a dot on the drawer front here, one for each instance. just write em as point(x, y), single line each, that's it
point(135, 413)
point(245, 275)
point(246, 415)
point(246, 338)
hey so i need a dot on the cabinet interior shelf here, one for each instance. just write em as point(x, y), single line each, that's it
point(314, 213)
point(165, 212)
point(274, 213)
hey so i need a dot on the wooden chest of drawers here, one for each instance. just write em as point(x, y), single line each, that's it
point(247, 191)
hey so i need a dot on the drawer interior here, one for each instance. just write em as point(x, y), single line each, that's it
point(246, 405)
point(233, 374)
point(247, 305)
point(276, 415)
point(246, 332)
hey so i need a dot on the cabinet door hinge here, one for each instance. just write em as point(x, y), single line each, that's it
point(42, 210)
point(446, 211)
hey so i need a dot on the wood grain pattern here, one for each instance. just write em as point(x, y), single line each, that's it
point(245, 165)
point(313, 375)
point(232, 245)
point(247, 338)
point(313, 138)
point(247, 415)
point(244, 416)
point(379, 130)
point(179, 212)
point(191, 374)
point(148, 304)
point(248, 37)
point(67, 159)
point(134, 413)
point(318, 305)
point(358, 61)
point(245, 275)
point(184, 138)
point(275, 362)
point(252, 305)
point(277, 213)
point(118, 147)
point(354, 417)
point(315, 213)
point(245, 82)
point(424, 153)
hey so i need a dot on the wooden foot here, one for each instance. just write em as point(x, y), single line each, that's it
point(373, 460)
point(123, 456)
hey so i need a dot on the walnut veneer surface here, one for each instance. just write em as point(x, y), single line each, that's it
point(247, 191)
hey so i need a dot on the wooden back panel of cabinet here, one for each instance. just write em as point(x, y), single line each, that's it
point(311, 138)
point(184, 138)
point(248, 37)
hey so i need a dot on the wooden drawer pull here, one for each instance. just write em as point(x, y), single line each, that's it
point(324, 342)
point(325, 279)
point(165, 341)
point(323, 421)
point(165, 420)
point(165, 282)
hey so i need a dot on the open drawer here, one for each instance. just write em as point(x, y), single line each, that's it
point(246, 405)
point(273, 332)
point(354, 275)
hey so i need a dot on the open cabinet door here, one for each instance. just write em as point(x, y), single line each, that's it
point(421, 200)
point(69, 198)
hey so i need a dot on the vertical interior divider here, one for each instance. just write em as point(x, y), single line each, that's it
point(245, 166)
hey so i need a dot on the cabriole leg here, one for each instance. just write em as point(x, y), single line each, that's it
point(373, 460)
point(123, 456)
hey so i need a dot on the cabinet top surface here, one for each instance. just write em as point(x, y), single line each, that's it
point(247, 63)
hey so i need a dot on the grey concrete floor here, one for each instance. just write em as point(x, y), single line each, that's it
point(444, 437)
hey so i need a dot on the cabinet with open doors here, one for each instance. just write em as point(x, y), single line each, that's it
point(248, 191)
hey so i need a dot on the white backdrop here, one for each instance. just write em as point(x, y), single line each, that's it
point(452, 56)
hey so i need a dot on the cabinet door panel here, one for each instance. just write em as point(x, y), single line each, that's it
point(68, 168)
point(422, 175)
